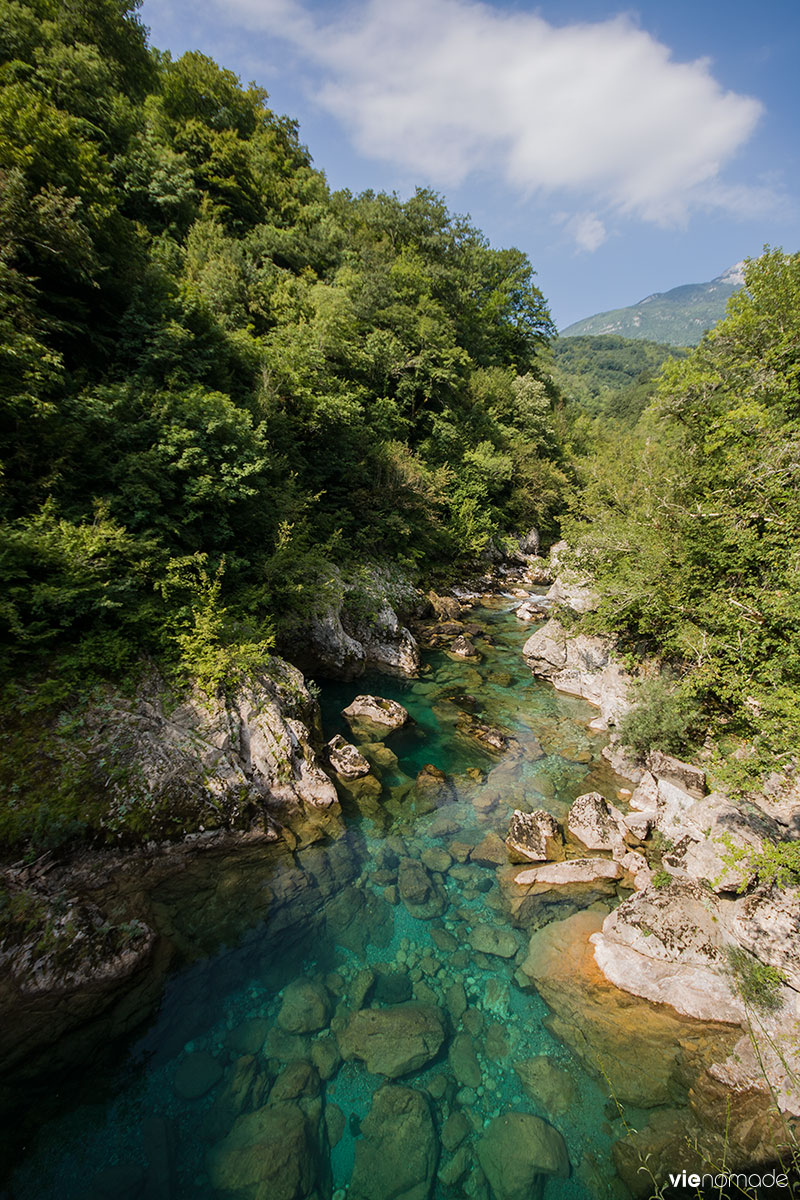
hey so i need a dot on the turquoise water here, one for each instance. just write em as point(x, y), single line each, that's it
point(128, 1127)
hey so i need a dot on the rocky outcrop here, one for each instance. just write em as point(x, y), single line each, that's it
point(571, 588)
point(668, 945)
point(76, 975)
point(209, 762)
point(360, 630)
point(376, 714)
point(582, 665)
point(534, 837)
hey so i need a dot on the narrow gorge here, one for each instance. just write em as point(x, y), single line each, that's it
point(490, 963)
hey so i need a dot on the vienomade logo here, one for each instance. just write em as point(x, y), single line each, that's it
point(730, 1179)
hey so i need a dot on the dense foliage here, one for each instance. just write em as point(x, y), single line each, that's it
point(608, 377)
point(690, 525)
point(217, 375)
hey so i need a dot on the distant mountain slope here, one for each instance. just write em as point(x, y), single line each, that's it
point(678, 317)
point(608, 375)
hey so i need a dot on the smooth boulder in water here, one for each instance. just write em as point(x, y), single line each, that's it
point(306, 1007)
point(397, 1156)
point(375, 712)
point(515, 1150)
point(394, 1041)
point(270, 1154)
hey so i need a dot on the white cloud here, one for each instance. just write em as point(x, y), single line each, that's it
point(450, 88)
point(588, 231)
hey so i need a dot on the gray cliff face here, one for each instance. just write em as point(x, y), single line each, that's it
point(211, 762)
point(357, 628)
point(208, 786)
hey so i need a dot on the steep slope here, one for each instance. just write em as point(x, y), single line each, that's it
point(678, 317)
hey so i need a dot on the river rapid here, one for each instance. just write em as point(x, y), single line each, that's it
point(154, 1118)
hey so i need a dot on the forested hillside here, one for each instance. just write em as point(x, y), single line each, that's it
point(689, 525)
point(608, 376)
point(217, 375)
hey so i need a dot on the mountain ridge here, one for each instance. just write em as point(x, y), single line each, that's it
point(677, 317)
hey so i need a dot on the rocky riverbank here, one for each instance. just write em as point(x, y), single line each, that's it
point(698, 936)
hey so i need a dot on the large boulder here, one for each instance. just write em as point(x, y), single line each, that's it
point(597, 825)
point(516, 1150)
point(643, 1052)
point(534, 837)
point(270, 1154)
point(397, 1155)
point(345, 759)
point(556, 890)
point(375, 713)
point(491, 939)
point(394, 1041)
point(668, 945)
point(582, 665)
point(419, 892)
point(306, 1006)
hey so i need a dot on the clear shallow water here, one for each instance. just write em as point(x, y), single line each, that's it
point(127, 1131)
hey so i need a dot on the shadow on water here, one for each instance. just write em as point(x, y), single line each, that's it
point(394, 914)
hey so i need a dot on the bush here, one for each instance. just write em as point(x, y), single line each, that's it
point(661, 719)
point(758, 985)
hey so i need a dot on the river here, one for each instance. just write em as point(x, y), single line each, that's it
point(146, 1121)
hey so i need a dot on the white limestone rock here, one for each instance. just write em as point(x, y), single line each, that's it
point(596, 824)
point(582, 665)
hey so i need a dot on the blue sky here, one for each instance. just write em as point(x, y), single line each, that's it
point(626, 150)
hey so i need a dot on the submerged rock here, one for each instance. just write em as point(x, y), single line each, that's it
point(464, 1062)
point(397, 1156)
point(433, 789)
point(270, 1154)
point(419, 893)
point(534, 837)
point(305, 1008)
point(488, 736)
point(516, 1149)
point(394, 1041)
point(489, 939)
point(197, 1074)
point(547, 1084)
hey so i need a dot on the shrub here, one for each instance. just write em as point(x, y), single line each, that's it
point(758, 985)
point(661, 719)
